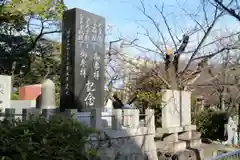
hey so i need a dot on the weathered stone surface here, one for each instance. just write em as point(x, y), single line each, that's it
point(189, 127)
point(171, 109)
point(196, 135)
point(170, 146)
point(185, 108)
point(131, 146)
point(5, 92)
point(188, 154)
point(192, 143)
point(185, 135)
point(169, 130)
point(170, 137)
point(174, 103)
point(176, 129)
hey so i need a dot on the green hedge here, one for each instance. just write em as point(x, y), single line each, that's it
point(211, 124)
point(14, 96)
point(60, 138)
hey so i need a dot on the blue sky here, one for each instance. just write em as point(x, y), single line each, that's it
point(124, 16)
point(123, 13)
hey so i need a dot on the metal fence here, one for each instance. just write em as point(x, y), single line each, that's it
point(234, 155)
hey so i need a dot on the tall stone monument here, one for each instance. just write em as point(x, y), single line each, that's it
point(83, 47)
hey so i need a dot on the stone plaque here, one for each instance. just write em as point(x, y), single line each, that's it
point(176, 109)
point(82, 79)
point(5, 92)
point(171, 109)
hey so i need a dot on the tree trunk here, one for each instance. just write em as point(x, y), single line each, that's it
point(172, 77)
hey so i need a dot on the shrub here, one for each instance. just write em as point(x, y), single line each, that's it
point(211, 124)
point(60, 138)
point(14, 96)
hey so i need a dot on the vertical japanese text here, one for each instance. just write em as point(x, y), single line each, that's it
point(90, 99)
point(67, 62)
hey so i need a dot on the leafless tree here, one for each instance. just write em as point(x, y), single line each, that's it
point(222, 86)
point(174, 75)
point(232, 7)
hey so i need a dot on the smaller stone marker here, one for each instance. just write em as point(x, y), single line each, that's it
point(48, 95)
point(5, 92)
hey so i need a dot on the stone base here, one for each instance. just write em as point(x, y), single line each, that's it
point(190, 128)
point(175, 129)
point(170, 137)
point(193, 143)
point(170, 146)
point(188, 154)
point(185, 135)
point(192, 138)
point(196, 135)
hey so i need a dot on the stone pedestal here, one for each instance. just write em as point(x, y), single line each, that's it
point(191, 137)
point(177, 133)
point(173, 147)
point(193, 143)
point(174, 139)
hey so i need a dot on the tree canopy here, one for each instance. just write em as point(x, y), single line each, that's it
point(25, 51)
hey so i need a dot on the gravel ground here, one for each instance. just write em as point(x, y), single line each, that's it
point(209, 149)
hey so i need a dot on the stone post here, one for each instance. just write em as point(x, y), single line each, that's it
point(117, 119)
point(48, 95)
point(134, 118)
point(47, 113)
point(28, 113)
point(35, 112)
point(150, 120)
point(96, 118)
point(127, 115)
point(9, 114)
point(71, 112)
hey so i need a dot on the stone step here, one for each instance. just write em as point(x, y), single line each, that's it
point(178, 129)
point(192, 143)
point(163, 146)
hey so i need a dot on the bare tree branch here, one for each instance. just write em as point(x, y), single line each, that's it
point(229, 10)
point(167, 25)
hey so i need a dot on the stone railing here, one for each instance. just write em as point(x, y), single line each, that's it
point(116, 120)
